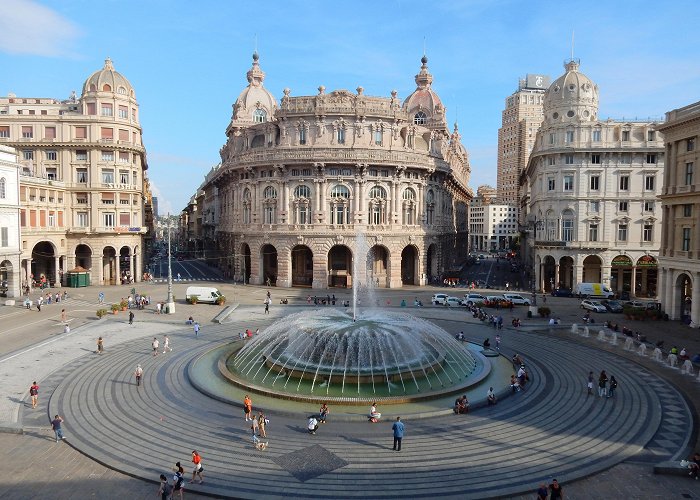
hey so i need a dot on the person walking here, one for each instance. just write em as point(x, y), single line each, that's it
point(398, 429)
point(165, 490)
point(198, 468)
point(312, 424)
point(267, 306)
point(166, 345)
point(542, 492)
point(138, 373)
point(131, 317)
point(254, 425)
point(196, 329)
point(38, 303)
point(555, 491)
point(262, 422)
point(34, 393)
point(613, 386)
point(602, 384)
point(498, 338)
point(56, 426)
point(155, 345)
point(247, 407)
point(101, 297)
point(158, 308)
point(178, 480)
point(100, 345)
point(590, 383)
point(63, 315)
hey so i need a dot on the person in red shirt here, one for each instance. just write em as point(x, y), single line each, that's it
point(198, 469)
point(247, 407)
point(34, 393)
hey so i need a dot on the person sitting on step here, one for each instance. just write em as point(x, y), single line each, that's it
point(374, 415)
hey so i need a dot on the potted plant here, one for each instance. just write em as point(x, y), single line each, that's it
point(115, 308)
point(124, 304)
point(543, 311)
point(100, 313)
point(193, 299)
point(221, 300)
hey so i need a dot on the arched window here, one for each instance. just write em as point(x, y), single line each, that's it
point(567, 225)
point(430, 208)
point(3, 189)
point(259, 116)
point(121, 90)
point(106, 88)
point(377, 192)
point(302, 192)
point(409, 194)
point(420, 118)
point(340, 191)
point(270, 193)
point(377, 205)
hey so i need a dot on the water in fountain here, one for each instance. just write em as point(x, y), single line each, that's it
point(362, 284)
point(328, 353)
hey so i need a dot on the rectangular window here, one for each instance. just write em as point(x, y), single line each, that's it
point(123, 157)
point(595, 182)
point(648, 206)
point(81, 198)
point(108, 219)
point(624, 183)
point(107, 134)
point(568, 183)
point(302, 136)
point(626, 159)
point(651, 158)
point(569, 159)
point(123, 199)
point(622, 232)
point(378, 138)
point(107, 176)
point(27, 154)
point(595, 206)
point(51, 220)
point(123, 177)
point(622, 206)
point(4, 237)
point(108, 198)
point(688, 173)
point(596, 136)
point(27, 132)
point(81, 155)
point(651, 135)
point(341, 136)
point(647, 232)
point(567, 230)
point(593, 232)
point(625, 135)
point(552, 161)
point(686, 240)
point(81, 219)
point(687, 210)
point(4, 131)
point(595, 159)
point(81, 132)
point(649, 182)
point(92, 108)
point(124, 112)
point(124, 218)
point(51, 155)
point(551, 183)
point(51, 174)
point(551, 138)
point(107, 155)
point(569, 136)
point(49, 132)
point(107, 109)
point(690, 145)
point(306, 172)
point(123, 135)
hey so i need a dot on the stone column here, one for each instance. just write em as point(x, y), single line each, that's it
point(101, 267)
point(117, 270)
point(696, 247)
point(556, 276)
point(633, 284)
point(318, 199)
point(668, 285)
point(28, 272)
point(578, 276)
point(56, 267)
point(131, 264)
point(322, 207)
point(695, 306)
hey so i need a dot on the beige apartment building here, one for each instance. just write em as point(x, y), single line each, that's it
point(338, 187)
point(83, 189)
point(590, 194)
point(521, 119)
point(680, 243)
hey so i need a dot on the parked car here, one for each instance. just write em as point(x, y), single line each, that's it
point(473, 298)
point(481, 256)
point(638, 304)
point(500, 300)
point(613, 306)
point(562, 292)
point(516, 299)
point(453, 302)
point(439, 299)
point(593, 305)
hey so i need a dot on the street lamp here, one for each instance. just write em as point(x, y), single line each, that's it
point(170, 303)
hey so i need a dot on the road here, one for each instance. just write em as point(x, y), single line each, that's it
point(187, 269)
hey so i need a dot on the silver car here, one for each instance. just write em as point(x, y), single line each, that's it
point(593, 305)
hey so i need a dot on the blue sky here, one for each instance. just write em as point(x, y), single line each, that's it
point(187, 60)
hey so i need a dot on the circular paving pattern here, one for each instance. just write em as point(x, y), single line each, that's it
point(551, 430)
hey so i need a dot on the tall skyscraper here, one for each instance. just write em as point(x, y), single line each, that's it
point(522, 118)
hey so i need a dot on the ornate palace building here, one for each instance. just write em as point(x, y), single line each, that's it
point(313, 186)
point(680, 245)
point(590, 194)
point(84, 194)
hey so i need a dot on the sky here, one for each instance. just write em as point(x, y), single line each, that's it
point(187, 61)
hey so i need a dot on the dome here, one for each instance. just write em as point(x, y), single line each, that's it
point(424, 104)
point(108, 80)
point(571, 97)
point(255, 104)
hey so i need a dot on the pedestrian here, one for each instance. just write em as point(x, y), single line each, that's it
point(165, 490)
point(155, 345)
point(178, 480)
point(34, 393)
point(178, 276)
point(498, 342)
point(158, 308)
point(56, 426)
point(613, 386)
point(38, 303)
point(196, 329)
point(602, 384)
point(555, 491)
point(267, 306)
point(590, 383)
point(139, 374)
point(198, 468)
point(491, 397)
point(247, 407)
point(131, 317)
point(254, 425)
point(398, 429)
point(323, 413)
point(542, 492)
point(63, 315)
point(101, 297)
point(312, 424)
point(66, 328)
point(100, 345)
point(262, 422)
point(166, 345)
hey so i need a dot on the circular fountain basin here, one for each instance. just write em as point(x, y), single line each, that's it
point(326, 355)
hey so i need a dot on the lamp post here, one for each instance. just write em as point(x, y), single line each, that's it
point(170, 303)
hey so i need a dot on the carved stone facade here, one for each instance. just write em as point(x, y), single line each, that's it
point(308, 189)
point(590, 194)
point(83, 188)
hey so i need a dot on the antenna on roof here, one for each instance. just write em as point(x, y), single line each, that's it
point(572, 45)
point(424, 46)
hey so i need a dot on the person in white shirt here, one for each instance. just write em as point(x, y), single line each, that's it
point(312, 425)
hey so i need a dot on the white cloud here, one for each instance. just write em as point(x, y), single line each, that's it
point(27, 27)
point(164, 206)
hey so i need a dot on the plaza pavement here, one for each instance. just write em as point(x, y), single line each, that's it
point(443, 455)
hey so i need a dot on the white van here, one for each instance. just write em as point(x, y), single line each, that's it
point(204, 294)
point(594, 290)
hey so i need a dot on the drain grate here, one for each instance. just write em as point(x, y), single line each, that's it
point(310, 462)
